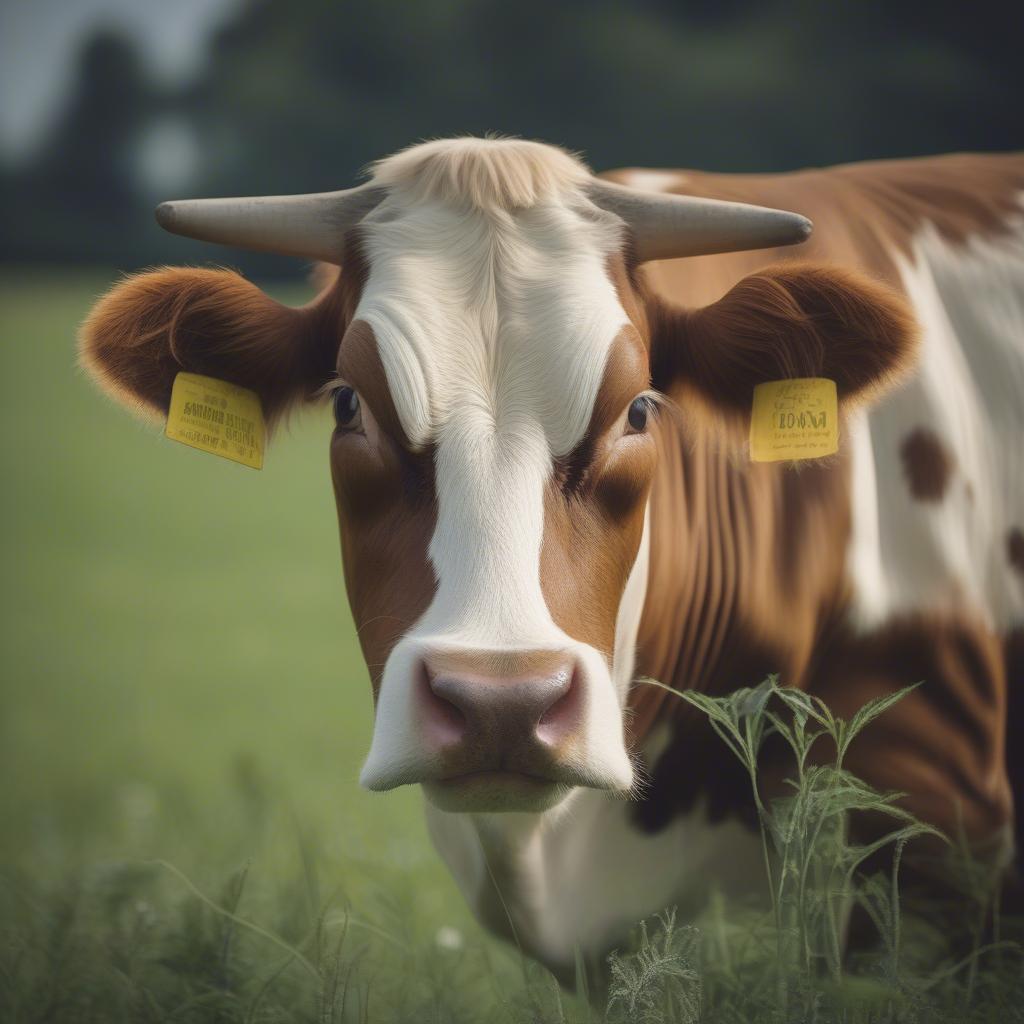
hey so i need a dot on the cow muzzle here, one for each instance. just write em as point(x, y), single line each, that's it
point(491, 730)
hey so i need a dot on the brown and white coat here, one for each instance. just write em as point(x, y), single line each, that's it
point(504, 521)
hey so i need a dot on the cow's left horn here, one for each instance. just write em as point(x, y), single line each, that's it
point(310, 226)
point(668, 226)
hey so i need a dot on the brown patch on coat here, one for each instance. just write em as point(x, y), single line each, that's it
point(1015, 548)
point(945, 743)
point(386, 511)
point(594, 507)
point(927, 464)
point(747, 575)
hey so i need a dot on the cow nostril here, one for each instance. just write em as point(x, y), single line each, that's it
point(454, 693)
point(557, 689)
point(445, 715)
point(560, 715)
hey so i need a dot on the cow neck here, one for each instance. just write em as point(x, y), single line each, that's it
point(746, 579)
point(739, 585)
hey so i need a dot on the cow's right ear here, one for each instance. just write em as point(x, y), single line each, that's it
point(150, 327)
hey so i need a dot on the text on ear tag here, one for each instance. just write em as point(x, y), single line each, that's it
point(794, 419)
point(217, 417)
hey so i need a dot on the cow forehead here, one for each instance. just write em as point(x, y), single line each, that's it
point(497, 321)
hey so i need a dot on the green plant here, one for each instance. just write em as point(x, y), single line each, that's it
point(792, 966)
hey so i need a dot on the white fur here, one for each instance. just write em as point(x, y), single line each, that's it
point(584, 873)
point(494, 322)
point(907, 555)
point(492, 174)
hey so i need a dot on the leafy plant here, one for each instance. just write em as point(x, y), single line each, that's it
point(814, 875)
point(660, 982)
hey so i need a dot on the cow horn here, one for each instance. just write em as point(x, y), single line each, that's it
point(310, 226)
point(668, 226)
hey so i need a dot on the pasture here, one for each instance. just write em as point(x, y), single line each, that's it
point(181, 678)
point(184, 713)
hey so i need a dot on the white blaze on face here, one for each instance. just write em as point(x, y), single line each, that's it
point(493, 328)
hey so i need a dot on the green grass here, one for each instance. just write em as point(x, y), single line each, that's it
point(183, 711)
point(181, 678)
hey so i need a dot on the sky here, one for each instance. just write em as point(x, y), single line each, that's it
point(39, 40)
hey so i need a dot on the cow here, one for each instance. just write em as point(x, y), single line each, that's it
point(541, 382)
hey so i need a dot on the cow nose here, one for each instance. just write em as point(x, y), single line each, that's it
point(518, 704)
point(527, 704)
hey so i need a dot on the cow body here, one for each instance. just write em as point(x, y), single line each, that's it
point(523, 542)
point(890, 564)
point(919, 517)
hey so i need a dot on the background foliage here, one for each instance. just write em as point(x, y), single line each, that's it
point(299, 96)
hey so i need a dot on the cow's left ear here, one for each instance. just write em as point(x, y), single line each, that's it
point(790, 320)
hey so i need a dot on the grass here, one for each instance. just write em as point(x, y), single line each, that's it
point(183, 711)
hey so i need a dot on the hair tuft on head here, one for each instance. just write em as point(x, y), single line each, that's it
point(489, 174)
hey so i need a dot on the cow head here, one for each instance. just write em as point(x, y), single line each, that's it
point(489, 351)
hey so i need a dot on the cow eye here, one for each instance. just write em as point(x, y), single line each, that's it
point(636, 417)
point(347, 413)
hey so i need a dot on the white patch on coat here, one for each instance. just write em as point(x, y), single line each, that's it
point(583, 874)
point(494, 326)
point(908, 555)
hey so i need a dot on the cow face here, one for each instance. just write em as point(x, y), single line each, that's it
point(488, 353)
point(491, 462)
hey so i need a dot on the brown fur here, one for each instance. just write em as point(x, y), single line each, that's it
point(386, 510)
point(943, 745)
point(594, 508)
point(747, 567)
point(154, 325)
point(927, 463)
point(790, 320)
point(1015, 549)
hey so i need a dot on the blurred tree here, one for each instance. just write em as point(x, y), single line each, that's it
point(77, 199)
point(299, 96)
point(318, 88)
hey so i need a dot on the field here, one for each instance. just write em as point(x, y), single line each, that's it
point(184, 712)
point(181, 678)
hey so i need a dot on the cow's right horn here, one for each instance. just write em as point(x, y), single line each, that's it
point(668, 226)
point(309, 226)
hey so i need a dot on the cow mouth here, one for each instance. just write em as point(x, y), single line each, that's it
point(499, 784)
point(496, 790)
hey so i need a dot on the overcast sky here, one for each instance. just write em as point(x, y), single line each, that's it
point(39, 40)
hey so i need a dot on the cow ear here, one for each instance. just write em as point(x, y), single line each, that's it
point(790, 320)
point(150, 327)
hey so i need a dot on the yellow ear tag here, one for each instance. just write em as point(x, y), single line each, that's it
point(217, 417)
point(794, 419)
